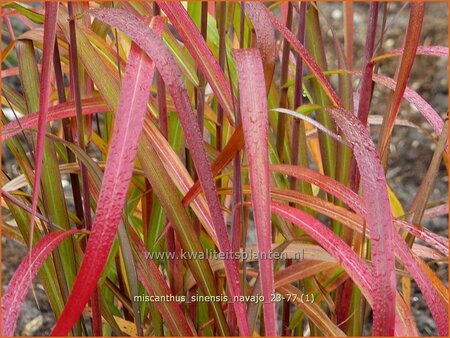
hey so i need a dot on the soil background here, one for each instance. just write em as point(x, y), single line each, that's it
point(411, 150)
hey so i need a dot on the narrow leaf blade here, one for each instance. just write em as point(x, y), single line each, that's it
point(130, 117)
point(51, 13)
point(253, 103)
point(20, 282)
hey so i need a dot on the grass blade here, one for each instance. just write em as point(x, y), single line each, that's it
point(440, 51)
point(415, 99)
point(56, 112)
point(313, 311)
point(265, 41)
point(411, 42)
point(366, 81)
point(438, 307)
point(20, 282)
point(51, 11)
point(253, 108)
point(379, 218)
point(177, 215)
point(131, 112)
point(359, 271)
point(234, 145)
point(355, 267)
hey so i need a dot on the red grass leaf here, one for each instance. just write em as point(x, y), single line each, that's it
point(359, 271)
point(406, 63)
point(421, 50)
point(412, 97)
point(253, 107)
point(20, 282)
point(59, 111)
point(164, 61)
point(438, 242)
point(426, 50)
point(325, 183)
point(265, 40)
point(119, 168)
point(437, 211)
point(179, 174)
point(366, 81)
point(379, 218)
point(202, 54)
point(51, 14)
point(437, 307)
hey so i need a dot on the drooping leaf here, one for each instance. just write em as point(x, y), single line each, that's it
point(355, 267)
point(427, 111)
point(312, 122)
point(438, 307)
point(440, 51)
point(129, 120)
point(379, 218)
point(265, 40)
point(21, 281)
point(59, 111)
point(402, 252)
point(359, 271)
point(253, 108)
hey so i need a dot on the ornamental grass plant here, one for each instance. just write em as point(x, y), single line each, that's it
point(222, 168)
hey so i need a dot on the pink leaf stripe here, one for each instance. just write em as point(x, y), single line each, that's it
point(164, 61)
point(20, 282)
point(202, 54)
point(51, 15)
point(379, 219)
point(60, 111)
point(253, 104)
point(119, 168)
point(299, 48)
